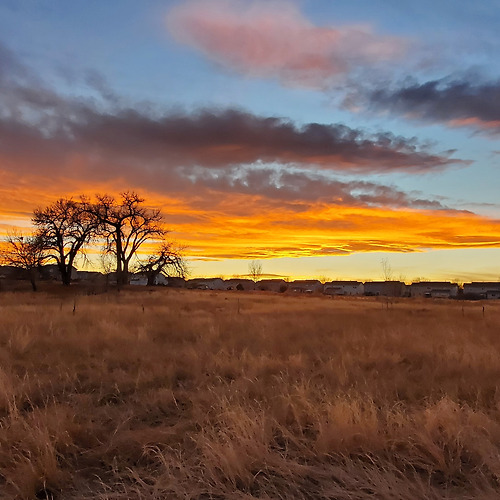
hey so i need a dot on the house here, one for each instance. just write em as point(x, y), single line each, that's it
point(343, 288)
point(138, 279)
point(90, 277)
point(141, 279)
point(306, 286)
point(9, 272)
point(240, 284)
point(176, 282)
point(385, 288)
point(206, 284)
point(272, 285)
point(434, 289)
point(51, 272)
point(482, 290)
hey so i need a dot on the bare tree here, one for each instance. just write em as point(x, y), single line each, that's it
point(387, 269)
point(255, 269)
point(126, 224)
point(167, 260)
point(65, 227)
point(25, 252)
point(106, 263)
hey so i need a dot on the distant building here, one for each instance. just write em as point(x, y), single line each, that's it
point(273, 285)
point(51, 272)
point(206, 284)
point(176, 282)
point(306, 286)
point(141, 279)
point(482, 290)
point(138, 279)
point(239, 284)
point(90, 277)
point(343, 288)
point(385, 288)
point(10, 272)
point(434, 289)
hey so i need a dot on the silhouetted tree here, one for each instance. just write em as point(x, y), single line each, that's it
point(65, 227)
point(167, 260)
point(126, 224)
point(255, 270)
point(25, 252)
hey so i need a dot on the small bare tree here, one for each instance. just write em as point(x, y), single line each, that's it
point(125, 224)
point(25, 252)
point(106, 262)
point(255, 269)
point(166, 260)
point(387, 269)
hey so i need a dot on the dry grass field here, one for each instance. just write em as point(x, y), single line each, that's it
point(170, 394)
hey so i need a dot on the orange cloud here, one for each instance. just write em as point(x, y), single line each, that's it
point(273, 39)
point(322, 230)
point(214, 224)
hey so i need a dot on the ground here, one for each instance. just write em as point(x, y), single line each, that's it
point(168, 394)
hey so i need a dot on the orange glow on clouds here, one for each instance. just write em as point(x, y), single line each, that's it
point(234, 225)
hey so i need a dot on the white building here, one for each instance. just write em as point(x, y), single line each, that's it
point(306, 286)
point(435, 289)
point(385, 288)
point(343, 288)
point(482, 290)
point(207, 284)
point(272, 285)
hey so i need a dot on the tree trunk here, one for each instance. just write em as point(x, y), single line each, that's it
point(68, 269)
point(151, 278)
point(125, 276)
point(65, 276)
point(63, 270)
point(119, 269)
point(32, 273)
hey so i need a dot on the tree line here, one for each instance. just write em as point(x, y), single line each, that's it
point(63, 230)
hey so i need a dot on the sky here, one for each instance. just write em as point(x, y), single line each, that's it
point(320, 137)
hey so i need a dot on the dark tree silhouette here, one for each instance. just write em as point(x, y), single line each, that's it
point(25, 252)
point(65, 227)
point(125, 225)
point(167, 260)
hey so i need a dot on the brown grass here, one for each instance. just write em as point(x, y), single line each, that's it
point(291, 397)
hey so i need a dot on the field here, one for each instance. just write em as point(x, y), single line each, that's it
point(167, 394)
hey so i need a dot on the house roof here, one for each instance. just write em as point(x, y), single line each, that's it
point(343, 283)
point(388, 282)
point(495, 284)
point(447, 284)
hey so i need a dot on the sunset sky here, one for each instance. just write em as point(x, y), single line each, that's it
point(317, 136)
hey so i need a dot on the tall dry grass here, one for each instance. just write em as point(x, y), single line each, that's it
point(202, 395)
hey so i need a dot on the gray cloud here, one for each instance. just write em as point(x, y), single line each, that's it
point(308, 187)
point(456, 102)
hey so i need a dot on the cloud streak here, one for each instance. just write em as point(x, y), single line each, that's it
point(457, 103)
point(59, 130)
point(273, 39)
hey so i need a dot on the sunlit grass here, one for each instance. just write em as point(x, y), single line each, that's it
point(185, 394)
